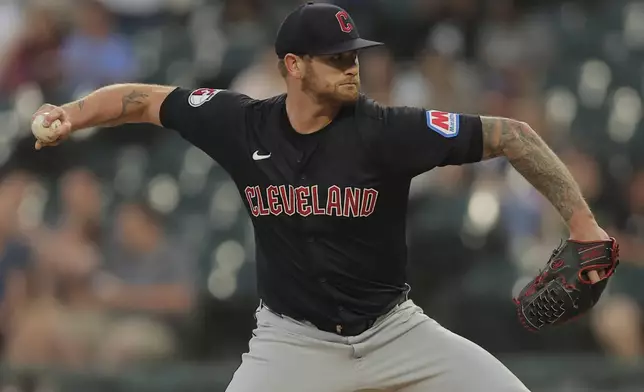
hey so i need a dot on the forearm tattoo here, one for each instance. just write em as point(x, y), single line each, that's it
point(131, 102)
point(535, 161)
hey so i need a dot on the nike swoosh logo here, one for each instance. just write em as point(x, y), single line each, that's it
point(258, 157)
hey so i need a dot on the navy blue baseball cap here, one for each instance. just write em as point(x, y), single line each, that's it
point(319, 29)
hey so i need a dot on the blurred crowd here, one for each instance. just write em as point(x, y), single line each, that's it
point(87, 285)
point(65, 302)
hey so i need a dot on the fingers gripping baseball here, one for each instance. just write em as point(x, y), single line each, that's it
point(50, 125)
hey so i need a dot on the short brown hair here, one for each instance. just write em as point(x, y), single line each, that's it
point(281, 66)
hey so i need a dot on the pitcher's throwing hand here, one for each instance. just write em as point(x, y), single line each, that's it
point(50, 125)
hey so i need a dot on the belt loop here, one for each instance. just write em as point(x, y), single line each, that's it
point(259, 308)
point(407, 291)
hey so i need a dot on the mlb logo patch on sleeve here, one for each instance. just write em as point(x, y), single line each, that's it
point(200, 96)
point(444, 123)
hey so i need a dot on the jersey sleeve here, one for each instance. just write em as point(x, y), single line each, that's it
point(415, 140)
point(210, 119)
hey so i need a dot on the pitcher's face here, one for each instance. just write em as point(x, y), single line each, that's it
point(333, 78)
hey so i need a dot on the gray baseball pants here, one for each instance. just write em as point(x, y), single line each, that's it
point(403, 351)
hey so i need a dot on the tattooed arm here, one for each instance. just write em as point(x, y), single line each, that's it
point(539, 165)
point(118, 104)
point(108, 106)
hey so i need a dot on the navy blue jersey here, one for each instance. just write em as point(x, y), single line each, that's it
point(328, 208)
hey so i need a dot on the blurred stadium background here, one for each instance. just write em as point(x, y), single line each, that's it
point(126, 258)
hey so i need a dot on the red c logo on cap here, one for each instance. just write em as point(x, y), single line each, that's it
point(343, 18)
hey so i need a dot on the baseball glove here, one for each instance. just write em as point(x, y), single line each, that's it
point(563, 291)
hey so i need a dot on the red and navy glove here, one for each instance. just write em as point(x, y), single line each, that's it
point(563, 290)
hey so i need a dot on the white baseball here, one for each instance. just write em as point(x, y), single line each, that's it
point(42, 133)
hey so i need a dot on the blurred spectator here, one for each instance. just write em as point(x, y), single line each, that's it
point(148, 281)
point(261, 79)
point(242, 16)
point(33, 55)
point(458, 34)
point(81, 316)
point(95, 54)
point(11, 22)
point(141, 15)
point(409, 87)
point(81, 198)
point(149, 271)
point(71, 249)
point(619, 320)
point(61, 321)
point(502, 42)
point(452, 85)
point(16, 255)
point(245, 38)
point(377, 68)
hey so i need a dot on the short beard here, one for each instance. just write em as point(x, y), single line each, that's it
point(309, 86)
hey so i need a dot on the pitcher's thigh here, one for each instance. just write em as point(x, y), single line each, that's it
point(457, 364)
point(287, 363)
